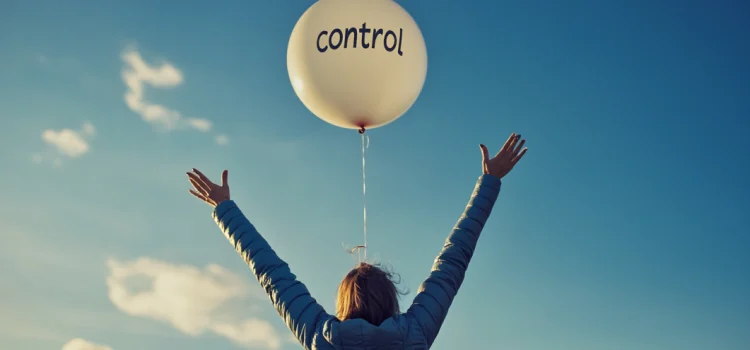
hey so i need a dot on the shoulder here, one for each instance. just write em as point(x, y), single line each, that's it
point(411, 326)
point(322, 340)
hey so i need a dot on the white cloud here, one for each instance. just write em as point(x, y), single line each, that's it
point(249, 332)
point(68, 142)
point(81, 344)
point(222, 140)
point(65, 142)
point(88, 129)
point(200, 124)
point(192, 300)
point(137, 74)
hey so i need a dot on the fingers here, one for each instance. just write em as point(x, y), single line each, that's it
point(200, 196)
point(513, 143)
point(509, 145)
point(519, 156)
point(199, 188)
point(224, 178)
point(198, 183)
point(485, 154)
point(203, 178)
point(506, 145)
point(518, 149)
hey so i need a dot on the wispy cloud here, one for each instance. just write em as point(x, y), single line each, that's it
point(65, 143)
point(192, 300)
point(82, 344)
point(137, 74)
point(222, 139)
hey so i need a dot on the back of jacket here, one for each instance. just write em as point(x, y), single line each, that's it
point(415, 329)
point(394, 333)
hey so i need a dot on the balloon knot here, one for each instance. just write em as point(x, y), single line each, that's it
point(362, 130)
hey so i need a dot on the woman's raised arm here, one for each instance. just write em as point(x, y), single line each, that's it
point(300, 311)
point(436, 294)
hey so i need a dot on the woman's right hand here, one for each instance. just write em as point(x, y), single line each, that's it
point(504, 161)
point(208, 191)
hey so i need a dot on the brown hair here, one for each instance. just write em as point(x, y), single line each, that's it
point(368, 292)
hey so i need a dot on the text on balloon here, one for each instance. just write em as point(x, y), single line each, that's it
point(350, 36)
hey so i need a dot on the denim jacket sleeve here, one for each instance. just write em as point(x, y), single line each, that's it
point(300, 311)
point(436, 294)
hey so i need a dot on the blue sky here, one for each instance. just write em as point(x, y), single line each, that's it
point(624, 227)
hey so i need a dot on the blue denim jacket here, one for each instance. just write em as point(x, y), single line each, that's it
point(315, 329)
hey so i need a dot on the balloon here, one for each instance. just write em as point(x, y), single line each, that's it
point(357, 64)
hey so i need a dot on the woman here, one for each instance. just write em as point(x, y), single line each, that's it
point(368, 315)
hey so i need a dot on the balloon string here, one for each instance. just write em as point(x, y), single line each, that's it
point(365, 145)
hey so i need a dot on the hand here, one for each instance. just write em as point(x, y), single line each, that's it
point(208, 191)
point(506, 159)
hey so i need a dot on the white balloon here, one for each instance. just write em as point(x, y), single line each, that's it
point(357, 63)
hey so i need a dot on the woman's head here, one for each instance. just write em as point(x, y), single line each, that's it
point(368, 292)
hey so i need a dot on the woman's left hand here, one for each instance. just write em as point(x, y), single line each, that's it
point(502, 163)
point(208, 191)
